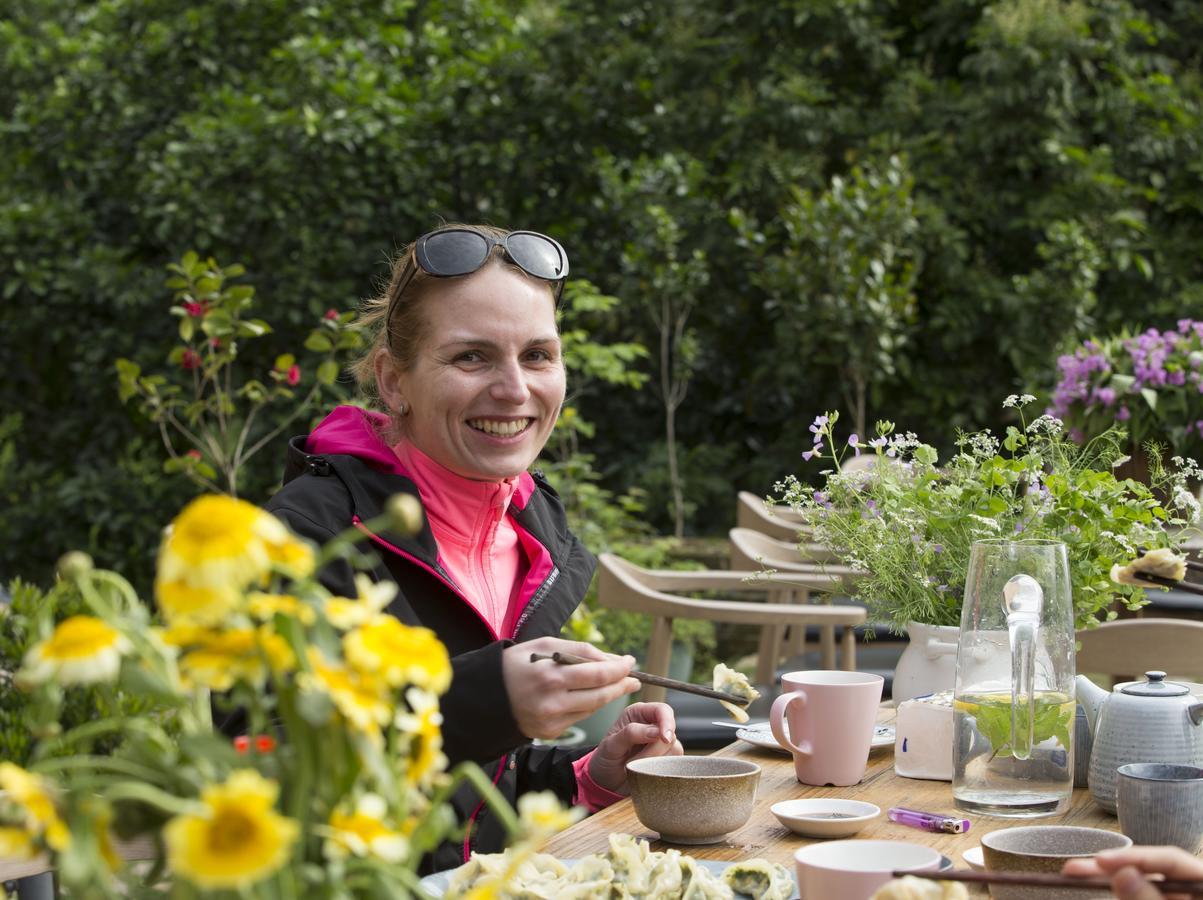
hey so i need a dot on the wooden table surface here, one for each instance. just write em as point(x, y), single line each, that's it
point(763, 836)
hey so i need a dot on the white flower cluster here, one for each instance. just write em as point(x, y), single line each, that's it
point(1046, 424)
point(980, 444)
point(1018, 400)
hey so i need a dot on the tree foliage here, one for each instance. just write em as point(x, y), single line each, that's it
point(1051, 152)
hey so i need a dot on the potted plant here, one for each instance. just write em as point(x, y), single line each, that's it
point(1149, 383)
point(339, 789)
point(909, 522)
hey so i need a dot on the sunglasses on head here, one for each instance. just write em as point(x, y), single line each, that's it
point(452, 252)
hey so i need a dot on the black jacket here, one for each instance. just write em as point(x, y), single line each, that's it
point(324, 494)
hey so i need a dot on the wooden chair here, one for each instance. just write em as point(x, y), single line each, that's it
point(779, 522)
point(1128, 648)
point(754, 550)
point(624, 585)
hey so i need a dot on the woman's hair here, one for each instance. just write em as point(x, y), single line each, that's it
point(402, 334)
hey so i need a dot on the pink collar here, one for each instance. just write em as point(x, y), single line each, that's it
point(462, 506)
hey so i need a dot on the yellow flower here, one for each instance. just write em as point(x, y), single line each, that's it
point(15, 844)
point(401, 654)
point(421, 728)
point(265, 606)
point(218, 659)
point(374, 596)
point(218, 546)
point(365, 832)
point(237, 840)
point(542, 813)
point(180, 602)
point(31, 795)
point(360, 698)
point(101, 823)
point(82, 650)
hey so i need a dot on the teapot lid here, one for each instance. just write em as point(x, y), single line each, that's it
point(1155, 686)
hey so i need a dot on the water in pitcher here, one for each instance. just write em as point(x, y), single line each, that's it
point(987, 776)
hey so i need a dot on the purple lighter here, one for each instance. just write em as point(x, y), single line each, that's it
point(927, 821)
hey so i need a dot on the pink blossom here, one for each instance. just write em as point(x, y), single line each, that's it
point(294, 375)
point(193, 454)
point(196, 310)
point(190, 360)
point(331, 314)
point(1122, 414)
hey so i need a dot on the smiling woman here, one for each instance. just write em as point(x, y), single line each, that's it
point(466, 363)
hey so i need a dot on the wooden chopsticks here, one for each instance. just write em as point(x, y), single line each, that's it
point(1188, 586)
point(568, 659)
point(1040, 879)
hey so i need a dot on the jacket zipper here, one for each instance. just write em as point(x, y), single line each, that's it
point(537, 598)
point(505, 760)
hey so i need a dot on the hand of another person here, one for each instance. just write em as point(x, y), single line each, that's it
point(643, 729)
point(1126, 865)
point(546, 697)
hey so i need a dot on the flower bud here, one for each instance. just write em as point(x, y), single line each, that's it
point(405, 513)
point(74, 565)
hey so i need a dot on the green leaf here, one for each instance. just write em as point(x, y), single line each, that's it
point(187, 329)
point(319, 342)
point(284, 361)
point(1150, 396)
point(327, 372)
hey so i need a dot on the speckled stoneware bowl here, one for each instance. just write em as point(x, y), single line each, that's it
point(1044, 848)
point(693, 799)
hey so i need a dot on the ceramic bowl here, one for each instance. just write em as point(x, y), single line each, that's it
point(693, 799)
point(854, 870)
point(825, 818)
point(1044, 848)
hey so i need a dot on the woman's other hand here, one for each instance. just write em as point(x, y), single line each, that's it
point(1127, 865)
point(546, 697)
point(643, 729)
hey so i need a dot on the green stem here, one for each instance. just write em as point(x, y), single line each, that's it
point(91, 730)
point(152, 796)
point(106, 763)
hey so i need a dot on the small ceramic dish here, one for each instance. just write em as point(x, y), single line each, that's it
point(974, 857)
point(824, 817)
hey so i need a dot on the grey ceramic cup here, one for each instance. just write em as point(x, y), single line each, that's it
point(1160, 803)
point(1082, 742)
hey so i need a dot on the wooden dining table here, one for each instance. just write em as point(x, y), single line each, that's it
point(763, 836)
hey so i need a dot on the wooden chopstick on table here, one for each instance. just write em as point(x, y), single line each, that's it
point(568, 659)
point(1041, 879)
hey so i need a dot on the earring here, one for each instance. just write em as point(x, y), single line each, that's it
point(401, 409)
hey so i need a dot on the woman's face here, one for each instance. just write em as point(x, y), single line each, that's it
point(487, 383)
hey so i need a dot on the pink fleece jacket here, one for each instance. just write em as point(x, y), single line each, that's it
point(479, 548)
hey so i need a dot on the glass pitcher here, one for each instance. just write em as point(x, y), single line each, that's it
point(1013, 709)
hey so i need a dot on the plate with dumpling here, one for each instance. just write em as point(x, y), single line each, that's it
point(629, 868)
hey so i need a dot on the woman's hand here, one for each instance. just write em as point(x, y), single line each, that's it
point(643, 729)
point(1125, 867)
point(547, 697)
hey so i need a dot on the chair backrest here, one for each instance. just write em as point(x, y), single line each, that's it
point(1131, 647)
point(752, 550)
point(780, 521)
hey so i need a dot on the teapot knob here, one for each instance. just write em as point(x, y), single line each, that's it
point(1155, 677)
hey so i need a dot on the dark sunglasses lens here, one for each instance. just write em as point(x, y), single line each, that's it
point(455, 252)
point(539, 256)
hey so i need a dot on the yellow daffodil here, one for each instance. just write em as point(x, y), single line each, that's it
point(218, 546)
point(399, 653)
point(362, 699)
point(365, 832)
point(15, 844)
point(344, 613)
point(35, 804)
point(102, 822)
point(265, 606)
point(218, 659)
point(82, 650)
point(542, 814)
point(421, 728)
point(237, 840)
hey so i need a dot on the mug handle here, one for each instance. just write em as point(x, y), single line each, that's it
point(777, 716)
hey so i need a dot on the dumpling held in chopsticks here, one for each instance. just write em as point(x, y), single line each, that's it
point(1162, 562)
point(730, 681)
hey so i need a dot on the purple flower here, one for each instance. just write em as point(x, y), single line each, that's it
point(1122, 414)
point(1018, 527)
point(818, 424)
point(807, 454)
point(878, 442)
point(1177, 378)
point(854, 442)
point(870, 510)
point(937, 548)
point(1076, 435)
point(1106, 396)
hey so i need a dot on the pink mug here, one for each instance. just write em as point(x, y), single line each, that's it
point(831, 718)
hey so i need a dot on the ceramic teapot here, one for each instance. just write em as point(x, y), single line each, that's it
point(1141, 721)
